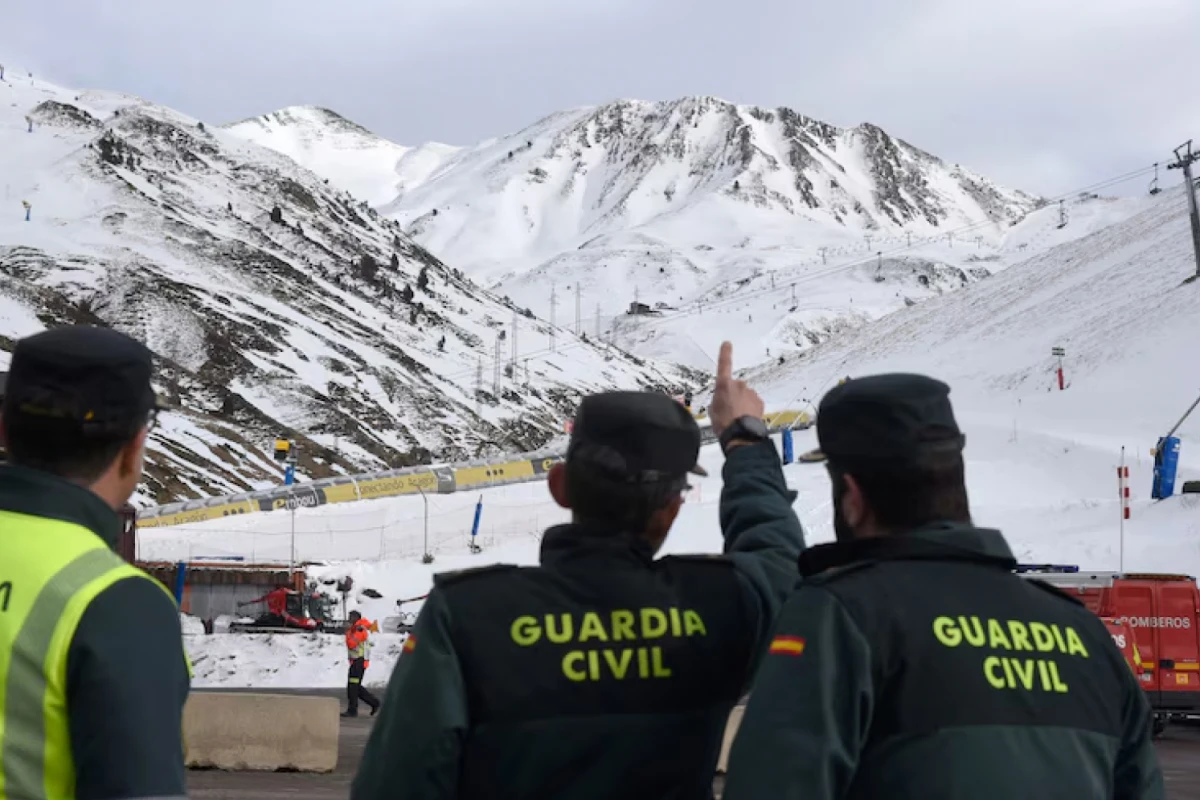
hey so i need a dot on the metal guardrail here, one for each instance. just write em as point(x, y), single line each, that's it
point(445, 479)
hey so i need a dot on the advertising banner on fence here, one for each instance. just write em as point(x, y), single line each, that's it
point(445, 479)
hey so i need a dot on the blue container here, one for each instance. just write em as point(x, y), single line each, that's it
point(180, 582)
point(789, 452)
point(1166, 462)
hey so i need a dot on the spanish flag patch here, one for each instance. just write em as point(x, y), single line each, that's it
point(410, 643)
point(786, 646)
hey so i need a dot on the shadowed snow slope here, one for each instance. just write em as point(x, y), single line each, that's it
point(274, 302)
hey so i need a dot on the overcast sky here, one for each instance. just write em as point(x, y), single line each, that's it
point(1045, 95)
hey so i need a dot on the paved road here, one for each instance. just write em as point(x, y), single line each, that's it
point(1178, 749)
point(1179, 754)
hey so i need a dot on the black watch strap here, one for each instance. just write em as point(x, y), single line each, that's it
point(744, 429)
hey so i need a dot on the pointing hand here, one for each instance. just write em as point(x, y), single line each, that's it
point(731, 398)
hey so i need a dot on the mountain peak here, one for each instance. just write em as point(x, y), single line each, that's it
point(598, 170)
point(304, 117)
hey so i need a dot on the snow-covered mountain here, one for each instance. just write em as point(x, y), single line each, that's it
point(328, 144)
point(699, 209)
point(275, 302)
point(344, 153)
point(697, 171)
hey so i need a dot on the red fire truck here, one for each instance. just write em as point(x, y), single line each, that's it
point(1161, 611)
point(1125, 640)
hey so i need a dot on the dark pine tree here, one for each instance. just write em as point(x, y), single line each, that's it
point(367, 268)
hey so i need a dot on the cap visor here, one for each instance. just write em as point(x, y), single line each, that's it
point(698, 470)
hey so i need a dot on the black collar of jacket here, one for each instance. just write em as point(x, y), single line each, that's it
point(585, 540)
point(943, 541)
point(40, 494)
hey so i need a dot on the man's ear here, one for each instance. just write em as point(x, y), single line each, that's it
point(670, 512)
point(854, 502)
point(661, 522)
point(557, 479)
point(130, 459)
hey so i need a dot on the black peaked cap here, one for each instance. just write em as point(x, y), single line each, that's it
point(95, 377)
point(636, 436)
point(887, 420)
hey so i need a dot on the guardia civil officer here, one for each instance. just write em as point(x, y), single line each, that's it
point(603, 673)
point(911, 662)
point(93, 676)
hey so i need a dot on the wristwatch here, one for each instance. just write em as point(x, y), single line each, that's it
point(744, 429)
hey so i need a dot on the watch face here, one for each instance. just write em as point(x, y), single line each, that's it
point(755, 426)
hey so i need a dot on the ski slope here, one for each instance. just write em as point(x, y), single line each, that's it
point(1115, 300)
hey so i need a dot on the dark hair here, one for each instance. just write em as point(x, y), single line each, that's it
point(933, 490)
point(595, 496)
point(64, 448)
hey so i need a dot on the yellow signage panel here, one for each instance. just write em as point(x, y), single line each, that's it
point(468, 477)
point(202, 514)
point(341, 493)
point(396, 485)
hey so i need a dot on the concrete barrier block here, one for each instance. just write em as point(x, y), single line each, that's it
point(237, 731)
point(731, 729)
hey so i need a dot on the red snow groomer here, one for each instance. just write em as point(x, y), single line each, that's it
point(1161, 612)
point(287, 611)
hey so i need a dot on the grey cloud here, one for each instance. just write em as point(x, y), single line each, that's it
point(1041, 94)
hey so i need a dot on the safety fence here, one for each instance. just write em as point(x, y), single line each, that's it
point(374, 532)
point(444, 479)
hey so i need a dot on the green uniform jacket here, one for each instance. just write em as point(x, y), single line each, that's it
point(603, 673)
point(919, 667)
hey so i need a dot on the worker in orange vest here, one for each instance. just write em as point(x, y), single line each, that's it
point(358, 647)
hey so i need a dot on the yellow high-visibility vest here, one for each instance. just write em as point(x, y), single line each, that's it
point(50, 572)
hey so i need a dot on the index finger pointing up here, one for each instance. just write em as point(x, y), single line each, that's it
point(725, 362)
